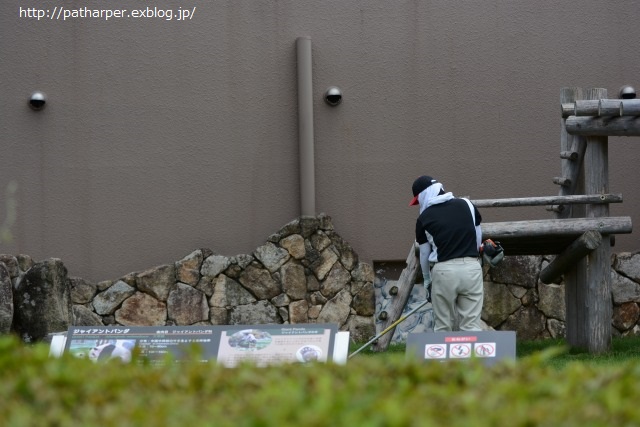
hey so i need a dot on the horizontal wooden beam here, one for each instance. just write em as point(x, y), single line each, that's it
point(603, 126)
point(580, 247)
point(549, 200)
point(610, 107)
point(602, 108)
point(556, 227)
point(586, 107)
point(598, 107)
point(548, 237)
point(630, 107)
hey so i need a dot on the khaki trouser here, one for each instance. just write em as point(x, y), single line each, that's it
point(457, 286)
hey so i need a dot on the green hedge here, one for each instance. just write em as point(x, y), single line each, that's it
point(388, 390)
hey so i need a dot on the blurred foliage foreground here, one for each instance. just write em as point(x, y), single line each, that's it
point(389, 390)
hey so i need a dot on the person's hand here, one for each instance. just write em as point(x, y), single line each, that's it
point(427, 289)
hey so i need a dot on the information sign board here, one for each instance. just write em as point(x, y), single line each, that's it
point(487, 346)
point(229, 345)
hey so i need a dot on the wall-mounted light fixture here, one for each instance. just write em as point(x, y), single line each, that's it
point(37, 101)
point(333, 96)
point(627, 92)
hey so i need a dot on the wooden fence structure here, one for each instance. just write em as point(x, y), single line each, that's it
point(582, 232)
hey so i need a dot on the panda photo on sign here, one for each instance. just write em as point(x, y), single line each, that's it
point(121, 349)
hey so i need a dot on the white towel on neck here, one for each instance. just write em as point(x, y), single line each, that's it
point(430, 196)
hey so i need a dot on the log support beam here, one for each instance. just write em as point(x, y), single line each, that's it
point(405, 285)
point(580, 248)
point(557, 227)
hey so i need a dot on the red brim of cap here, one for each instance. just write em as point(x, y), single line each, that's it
point(414, 201)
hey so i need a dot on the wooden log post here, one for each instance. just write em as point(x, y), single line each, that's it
point(575, 277)
point(405, 285)
point(571, 168)
point(596, 297)
point(582, 246)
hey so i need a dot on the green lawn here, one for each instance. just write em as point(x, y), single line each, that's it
point(623, 349)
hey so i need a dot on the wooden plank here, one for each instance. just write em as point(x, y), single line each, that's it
point(550, 200)
point(578, 249)
point(394, 309)
point(603, 126)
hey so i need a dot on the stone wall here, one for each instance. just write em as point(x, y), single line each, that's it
point(304, 273)
point(516, 300)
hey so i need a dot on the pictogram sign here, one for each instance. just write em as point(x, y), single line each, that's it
point(488, 346)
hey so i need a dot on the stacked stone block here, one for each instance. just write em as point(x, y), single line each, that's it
point(304, 273)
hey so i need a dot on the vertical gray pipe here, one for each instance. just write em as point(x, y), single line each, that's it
point(305, 128)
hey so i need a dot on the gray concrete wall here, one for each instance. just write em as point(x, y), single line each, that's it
point(161, 137)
